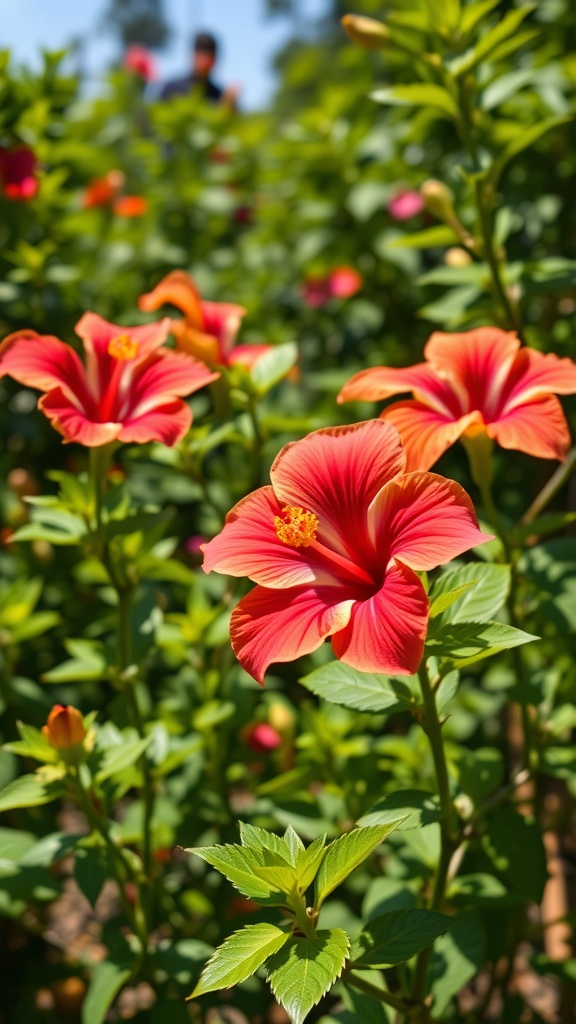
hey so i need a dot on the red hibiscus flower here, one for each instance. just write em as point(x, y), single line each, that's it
point(129, 389)
point(334, 546)
point(18, 173)
point(131, 206)
point(479, 380)
point(103, 191)
point(208, 330)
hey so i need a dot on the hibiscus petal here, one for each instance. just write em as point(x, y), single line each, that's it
point(476, 362)
point(270, 626)
point(424, 520)
point(196, 343)
point(43, 362)
point(73, 423)
point(168, 423)
point(336, 473)
point(384, 381)
point(248, 546)
point(424, 432)
point(97, 334)
point(538, 428)
point(247, 355)
point(177, 289)
point(165, 375)
point(534, 375)
point(386, 633)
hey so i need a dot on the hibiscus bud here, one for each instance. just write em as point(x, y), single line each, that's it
point(69, 995)
point(438, 200)
point(281, 718)
point(262, 738)
point(367, 32)
point(457, 257)
point(64, 728)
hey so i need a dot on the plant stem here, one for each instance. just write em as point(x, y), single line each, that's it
point(556, 481)
point(374, 990)
point(433, 730)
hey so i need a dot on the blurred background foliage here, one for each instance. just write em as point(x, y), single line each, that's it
point(260, 208)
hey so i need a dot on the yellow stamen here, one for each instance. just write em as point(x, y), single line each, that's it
point(296, 526)
point(123, 347)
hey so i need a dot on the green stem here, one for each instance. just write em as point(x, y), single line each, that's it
point(376, 992)
point(433, 730)
point(121, 867)
point(556, 481)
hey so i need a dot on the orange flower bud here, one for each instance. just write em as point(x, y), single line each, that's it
point(457, 257)
point(367, 32)
point(64, 728)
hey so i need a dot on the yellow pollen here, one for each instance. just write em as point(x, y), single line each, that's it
point(296, 526)
point(123, 347)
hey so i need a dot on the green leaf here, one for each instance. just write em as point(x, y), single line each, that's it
point(488, 42)
point(525, 138)
point(107, 980)
point(474, 13)
point(239, 957)
point(91, 871)
point(309, 863)
point(480, 772)
point(456, 958)
point(240, 867)
point(88, 662)
point(438, 236)
point(463, 643)
point(364, 691)
point(512, 840)
point(418, 96)
point(396, 937)
point(32, 743)
point(305, 969)
point(478, 888)
point(546, 524)
point(50, 849)
point(29, 791)
point(490, 586)
point(272, 367)
point(345, 854)
point(414, 807)
point(121, 756)
point(505, 86)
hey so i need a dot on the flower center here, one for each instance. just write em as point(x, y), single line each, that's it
point(123, 347)
point(296, 526)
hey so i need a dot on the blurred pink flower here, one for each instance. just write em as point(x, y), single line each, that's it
point(340, 283)
point(194, 543)
point(405, 205)
point(262, 738)
point(17, 173)
point(139, 60)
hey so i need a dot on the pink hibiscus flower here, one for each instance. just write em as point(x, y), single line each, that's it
point(18, 173)
point(405, 205)
point(129, 389)
point(334, 545)
point(475, 381)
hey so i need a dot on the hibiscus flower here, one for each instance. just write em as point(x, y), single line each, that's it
point(129, 389)
point(335, 544)
point(476, 381)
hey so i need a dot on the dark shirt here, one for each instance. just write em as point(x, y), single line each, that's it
point(182, 86)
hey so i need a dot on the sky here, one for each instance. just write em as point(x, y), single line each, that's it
point(248, 40)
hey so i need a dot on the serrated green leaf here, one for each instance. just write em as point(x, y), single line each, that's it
point(418, 95)
point(345, 854)
point(309, 863)
point(364, 691)
point(305, 969)
point(32, 743)
point(107, 980)
point(255, 838)
point(239, 957)
point(118, 758)
point(29, 791)
point(463, 643)
point(240, 867)
point(414, 807)
point(490, 586)
point(396, 937)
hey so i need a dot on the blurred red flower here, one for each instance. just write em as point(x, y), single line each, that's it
point(262, 738)
point(340, 283)
point(131, 206)
point(18, 173)
point(208, 330)
point(103, 191)
point(139, 60)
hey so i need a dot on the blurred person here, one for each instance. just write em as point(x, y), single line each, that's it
point(204, 56)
